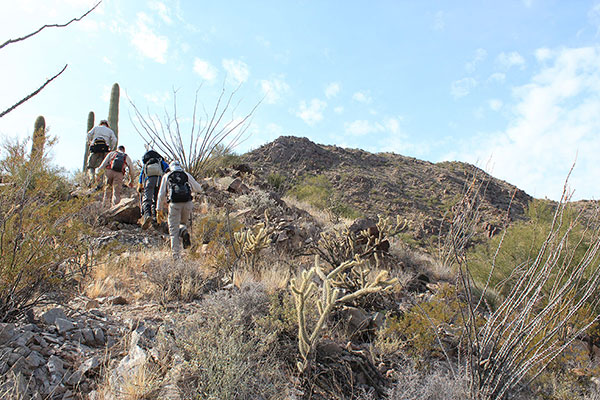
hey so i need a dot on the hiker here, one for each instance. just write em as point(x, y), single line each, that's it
point(101, 140)
point(176, 189)
point(114, 165)
point(154, 167)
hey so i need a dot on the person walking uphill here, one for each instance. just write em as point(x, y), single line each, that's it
point(114, 165)
point(154, 167)
point(101, 140)
point(176, 190)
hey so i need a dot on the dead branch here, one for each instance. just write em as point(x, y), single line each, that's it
point(32, 94)
point(11, 41)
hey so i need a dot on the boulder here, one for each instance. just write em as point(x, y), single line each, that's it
point(127, 212)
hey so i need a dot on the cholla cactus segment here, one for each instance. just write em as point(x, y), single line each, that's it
point(39, 138)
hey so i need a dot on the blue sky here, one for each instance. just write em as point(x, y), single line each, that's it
point(511, 86)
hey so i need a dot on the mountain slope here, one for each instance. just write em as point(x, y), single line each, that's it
point(388, 183)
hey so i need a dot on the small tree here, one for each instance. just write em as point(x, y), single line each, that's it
point(213, 130)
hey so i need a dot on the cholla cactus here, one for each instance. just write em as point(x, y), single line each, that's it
point(335, 247)
point(305, 284)
point(252, 241)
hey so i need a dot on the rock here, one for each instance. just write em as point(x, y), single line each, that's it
point(50, 316)
point(34, 360)
point(233, 185)
point(88, 336)
point(7, 332)
point(64, 325)
point(24, 338)
point(99, 336)
point(117, 301)
point(358, 320)
point(127, 211)
point(242, 168)
point(55, 365)
point(91, 304)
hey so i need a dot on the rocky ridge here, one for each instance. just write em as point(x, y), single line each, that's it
point(388, 183)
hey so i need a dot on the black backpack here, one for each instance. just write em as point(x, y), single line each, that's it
point(99, 146)
point(179, 188)
point(118, 162)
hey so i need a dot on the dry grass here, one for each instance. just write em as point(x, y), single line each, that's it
point(148, 275)
point(321, 216)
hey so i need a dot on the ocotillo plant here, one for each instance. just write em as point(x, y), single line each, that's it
point(90, 125)
point(39, 138)
point(113, 110)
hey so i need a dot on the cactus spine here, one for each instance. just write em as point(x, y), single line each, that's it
point(90, 125)
point(113, 110)
point(39, 138)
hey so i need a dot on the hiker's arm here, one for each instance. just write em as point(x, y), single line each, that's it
point(196, 187)
point(90, 135)
point(130, 168)
point(161, 200)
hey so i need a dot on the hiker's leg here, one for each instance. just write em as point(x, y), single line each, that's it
point(174, 220)
point(186, 213)
point(149, 200)
point(117, 186)
point(109, 187)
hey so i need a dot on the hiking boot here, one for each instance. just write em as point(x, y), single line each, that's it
point(146, 222)
point(186, 239)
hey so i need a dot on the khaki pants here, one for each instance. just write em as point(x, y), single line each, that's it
point(114, 181)
point(179, 218)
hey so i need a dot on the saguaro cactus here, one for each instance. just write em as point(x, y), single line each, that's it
point(90, 125)
point(39, 138)
point(113, 110)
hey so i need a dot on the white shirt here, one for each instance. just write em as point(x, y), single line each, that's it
point(103, 132)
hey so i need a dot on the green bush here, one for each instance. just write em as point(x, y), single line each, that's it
point(522, 244)
point(41, 232)
point(315, 190)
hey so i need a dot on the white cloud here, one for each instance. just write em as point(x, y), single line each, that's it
point(312, 113)
point(495, 104)
point(163, 11)
point(148, 43)
point(205, 69)
point(274, 89)
point(512, 59)
point(158, 98)
point(439, 22)
point(338, 110)
point(332, 90)
point(361, 127)
point(497, 77)
point(543, 54)
point(362, 97)
point(462, 87)
point(237, 69)
point(480, 55)
point(555, 119)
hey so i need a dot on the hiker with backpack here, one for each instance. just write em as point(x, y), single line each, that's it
point(176, 189)
point(101, 140)
point(154, 167)
point(114, 165)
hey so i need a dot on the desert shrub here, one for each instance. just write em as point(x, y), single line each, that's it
point(429, 329)
point(277, 181)
point(258, 201)
point(41, 232)
point(315, 190)
point(522, 243)
point(220, 157)
point(436, 384)
point(225, 356)
point(176, 279)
